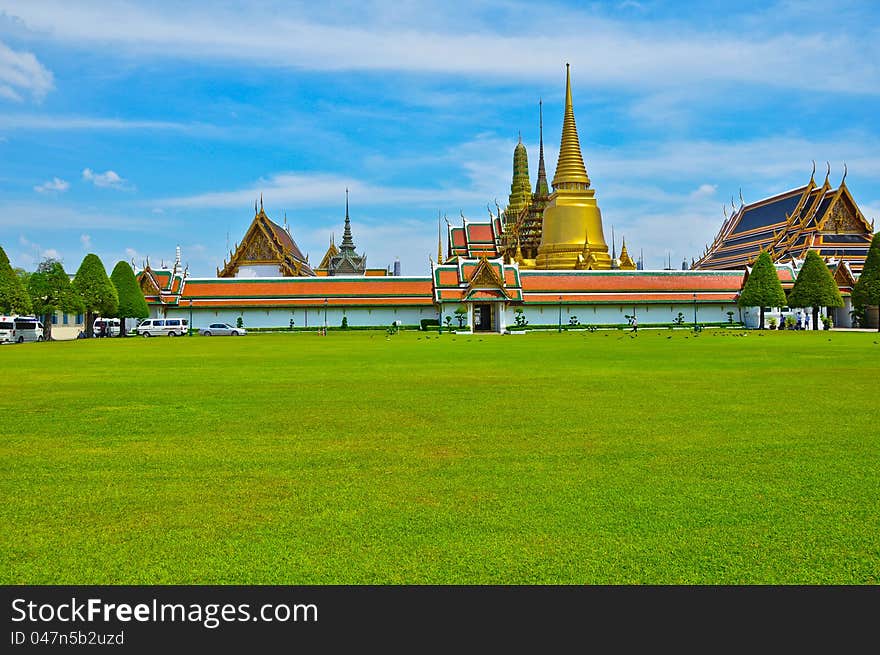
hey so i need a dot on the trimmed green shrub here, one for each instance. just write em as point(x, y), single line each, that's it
point(131, 299)
point(763, 288)
point(867, 289)
point(14, 298)
point(814, 287)
point(96, 291)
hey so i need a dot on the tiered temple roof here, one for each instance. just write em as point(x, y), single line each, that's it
point(474, 239)
point(787, 225)
point(346, 261)
point(267, 244)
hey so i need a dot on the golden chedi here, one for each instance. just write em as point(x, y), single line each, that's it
point(572, 234)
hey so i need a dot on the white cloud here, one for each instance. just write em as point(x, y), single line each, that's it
point(618, 54)
point(86, 241)
point(106, 179)
point(319, 190)
point(44, 122)
point(21, 73)
point(54, 185)
point(42, 217)
point(704, 191)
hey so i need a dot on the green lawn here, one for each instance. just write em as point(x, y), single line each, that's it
point(731, 457)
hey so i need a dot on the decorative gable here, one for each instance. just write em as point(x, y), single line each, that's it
point(148, 284)
point(485, 276)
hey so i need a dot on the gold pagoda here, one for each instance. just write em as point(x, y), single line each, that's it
point(572, 236)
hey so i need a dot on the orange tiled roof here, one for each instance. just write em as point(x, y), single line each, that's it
point(631, 281)
point(307, 291)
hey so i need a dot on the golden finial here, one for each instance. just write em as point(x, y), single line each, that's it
point(813, 174)
point(827, 171)
point(570, 167)
point(741, 201)
point(261, 201)
point(844, 173)
point(439, 241)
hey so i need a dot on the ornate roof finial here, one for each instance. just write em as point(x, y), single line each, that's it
point(732, 204)
point(741, 201)
point(255, 207)
point(570, 169)
point(844, 173)
point(724, 211)
point(261, 201)
point(439, 241)
point(519, 135)
point(827, 172)
point(813, 174)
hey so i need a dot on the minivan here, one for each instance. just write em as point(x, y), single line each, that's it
point(111, 325)
point(18, 329)
point(154, 327)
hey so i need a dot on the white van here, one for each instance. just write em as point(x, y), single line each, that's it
point(111, 325)
point(18, 329)
point(156, 327)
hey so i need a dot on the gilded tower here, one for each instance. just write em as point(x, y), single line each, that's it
point(572, 235)
point(520, 187)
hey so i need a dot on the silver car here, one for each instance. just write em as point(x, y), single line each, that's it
point(222, 330)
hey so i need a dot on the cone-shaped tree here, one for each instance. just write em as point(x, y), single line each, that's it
point(763, 288)
point(867, 289)
point(96, 290)
point(131, 298)
point(50, 291)
point(14, 298)
point(814, 287)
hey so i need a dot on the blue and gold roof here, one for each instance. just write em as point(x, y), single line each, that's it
point(787, 225)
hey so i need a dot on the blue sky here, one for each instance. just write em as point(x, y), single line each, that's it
point(128, 128)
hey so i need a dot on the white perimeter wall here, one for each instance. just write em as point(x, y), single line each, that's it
point(303, 317)
point(384, 316)
point(616, 314)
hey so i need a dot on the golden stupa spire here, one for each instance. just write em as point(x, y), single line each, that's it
point(570, 169)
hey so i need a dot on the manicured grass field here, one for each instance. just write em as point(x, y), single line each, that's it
point(730, 457)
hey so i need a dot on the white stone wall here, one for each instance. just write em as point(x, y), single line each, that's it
point(258, 270)
point(647, 314)
point(312, 317)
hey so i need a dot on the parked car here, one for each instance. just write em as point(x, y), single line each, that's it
point(155, 327)
point(222, 330)
point(18, 329)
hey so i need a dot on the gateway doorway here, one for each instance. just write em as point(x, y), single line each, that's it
point(483, 318)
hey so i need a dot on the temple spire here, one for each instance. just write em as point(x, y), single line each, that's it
point(520, 185)
point(570, 169)
point(347, 241)
point(541, 188)
point(439, 241)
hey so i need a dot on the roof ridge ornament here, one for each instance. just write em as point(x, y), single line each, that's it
point(844, 173)
point(813, 174)
point(827, 172)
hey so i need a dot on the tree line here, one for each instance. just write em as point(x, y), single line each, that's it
point(49, 289)
point(814, 286)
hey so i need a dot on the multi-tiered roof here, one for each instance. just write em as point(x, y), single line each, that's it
point(787, 225)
